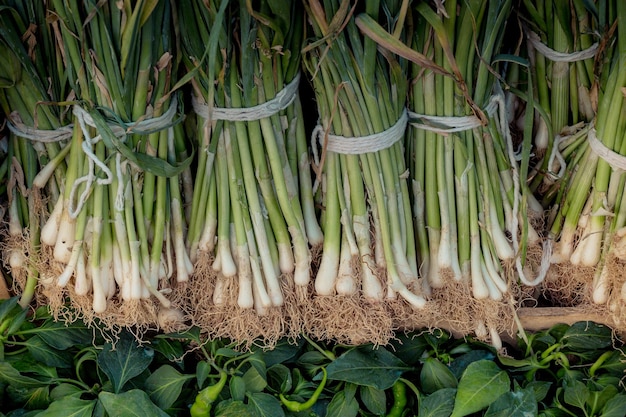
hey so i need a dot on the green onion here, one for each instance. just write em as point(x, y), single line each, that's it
point(253, 223)
point(32, 85)
point(369, 250)
point(120, 216)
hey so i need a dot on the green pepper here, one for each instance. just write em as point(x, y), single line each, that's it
point(297, 406)
point(205, 398)
point(399, 399)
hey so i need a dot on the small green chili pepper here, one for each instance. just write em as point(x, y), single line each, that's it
point(399, 399)
point(296, 406)
point(205, 398)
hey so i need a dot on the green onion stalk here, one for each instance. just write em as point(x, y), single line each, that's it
point(118, 230)
point(369, 251)
point(33, 87)
point(254, 225)
point(589, 224)
point(468, 202)
point(563, 39)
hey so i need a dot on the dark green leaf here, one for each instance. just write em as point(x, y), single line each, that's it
point(377, 368)
point(37, 398)
point(540, 389)
point(458, 365)
point(48, 355)
point(586, 336)
point(437, 404)
point(130, 403)
point(125, 362)
point(65, 390)
point(520, 403)
point(230, 408)
point(615, 407)
point(16, 322)
point(203, 369)
point(62, 336)
point(255, 382)
point(597, 399)
point(192, 334)
point(435, 376)
point(69, 406)
point(279, 378)
point(266, 405)
point(481, 384)
point(28, 365)
point(282, 352)
point(237, 388)
point(373, 399)
point(410, 348)
point(227, 352)
point(6, 306)
point(173, 350)
point(576, 394)
point(11, 376)
point(165, 385)
point(340, 406)
point(311, 361)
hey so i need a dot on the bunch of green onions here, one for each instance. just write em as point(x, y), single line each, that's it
point(563, 40)
point(117, 229)
point(591, 213)
point(253, 223)
point(33, 86)
point(369, 251)
point(469, 206)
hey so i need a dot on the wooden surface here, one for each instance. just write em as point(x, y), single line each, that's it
point(541, 318)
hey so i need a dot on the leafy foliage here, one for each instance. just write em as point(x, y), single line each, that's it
point(50, 369)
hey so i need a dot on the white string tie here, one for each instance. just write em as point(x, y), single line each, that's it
point(281, 101)
point(445, 125)
point(614, 159)
point(556, 56)
point(120, 131)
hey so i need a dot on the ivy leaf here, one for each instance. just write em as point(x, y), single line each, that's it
point(438, 404)
point(128, 404)
point(363, 365)
point(124, 362)
point(481, 384)
point(165, 385)
point(70, 406)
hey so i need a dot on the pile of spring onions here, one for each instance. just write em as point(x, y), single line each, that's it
point(470, 205)
point(589, 219)
point(369, 250)
point(33, 79)
point(253, 224)
point(113, 240)
point(159, 171)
